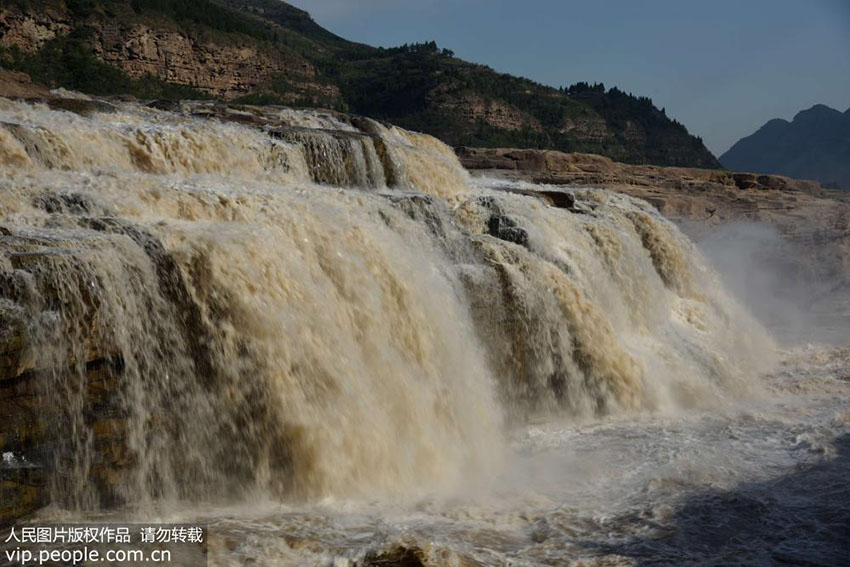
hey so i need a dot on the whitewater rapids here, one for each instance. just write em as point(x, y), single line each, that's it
point(328, 314)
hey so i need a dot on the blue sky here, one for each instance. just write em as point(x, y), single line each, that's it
point(721, 67)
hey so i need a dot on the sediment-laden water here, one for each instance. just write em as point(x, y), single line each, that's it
point(325, 340)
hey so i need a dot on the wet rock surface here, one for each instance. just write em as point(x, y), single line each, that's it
point(31, 420)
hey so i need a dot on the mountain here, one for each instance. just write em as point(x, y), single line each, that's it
point(815, 145)
point(269, 52)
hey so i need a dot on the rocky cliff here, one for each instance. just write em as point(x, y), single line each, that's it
point(30, 30)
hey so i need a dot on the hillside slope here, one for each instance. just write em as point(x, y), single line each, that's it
point(268, 52)
point(815, 145)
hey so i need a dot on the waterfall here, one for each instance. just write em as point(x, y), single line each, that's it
point(306, 304)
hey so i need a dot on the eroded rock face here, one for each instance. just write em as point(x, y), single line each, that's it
point(29, 32)
point(474, 109)
point(224, 69)
point(591, 128)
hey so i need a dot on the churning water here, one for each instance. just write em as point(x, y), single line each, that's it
point(328, 342)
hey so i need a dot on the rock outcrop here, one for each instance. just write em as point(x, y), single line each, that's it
point(474, 109)
point(546, 166)
point(30, 31)
point(20, 85)
point(221, 70)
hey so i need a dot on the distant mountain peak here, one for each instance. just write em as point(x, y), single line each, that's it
point(820, 107)
point(775, 124)
point(815, 145)
point(817, 111)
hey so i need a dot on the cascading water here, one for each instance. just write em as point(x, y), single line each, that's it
point(267, 333)
point(306, 305)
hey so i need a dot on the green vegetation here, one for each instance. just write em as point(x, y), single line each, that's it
point(423, 87)
point(202, 13)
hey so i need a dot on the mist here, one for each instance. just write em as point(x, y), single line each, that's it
point(788, 287)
